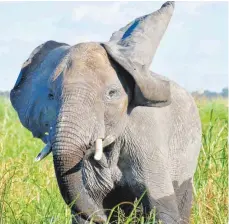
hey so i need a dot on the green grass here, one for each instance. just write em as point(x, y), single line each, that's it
point(211, 177)
point(29, 192)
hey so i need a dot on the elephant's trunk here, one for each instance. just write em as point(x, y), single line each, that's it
point(74, 132)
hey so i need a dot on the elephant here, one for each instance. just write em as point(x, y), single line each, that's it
point(117, 131)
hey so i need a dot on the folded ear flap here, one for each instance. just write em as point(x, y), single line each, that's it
point(134, 47)
point(30, 96)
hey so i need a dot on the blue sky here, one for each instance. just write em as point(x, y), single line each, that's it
point(193, 51)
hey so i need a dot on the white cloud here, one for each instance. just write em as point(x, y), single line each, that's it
point(31, 31)
point(113, 13)
point(86, 38)
point(4, 50)
point(191, 8)
point(209, 47)
point(176, 26)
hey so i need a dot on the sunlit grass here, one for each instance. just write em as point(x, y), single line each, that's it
point(211, 177)
point(29, 192)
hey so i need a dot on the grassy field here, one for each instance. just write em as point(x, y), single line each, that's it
point(29, 192)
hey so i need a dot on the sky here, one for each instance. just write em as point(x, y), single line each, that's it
point(193, 51)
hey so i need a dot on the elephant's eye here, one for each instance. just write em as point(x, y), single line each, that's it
point(113, 93)
point(50, 96)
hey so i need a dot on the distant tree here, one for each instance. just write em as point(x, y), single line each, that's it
point(210, 94)
point(5, 94)
point(224, 92)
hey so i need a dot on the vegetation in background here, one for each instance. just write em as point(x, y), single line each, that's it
point(199, 94)
point(211, 94)
point(29, 192)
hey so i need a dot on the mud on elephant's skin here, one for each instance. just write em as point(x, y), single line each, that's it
point(115, 128)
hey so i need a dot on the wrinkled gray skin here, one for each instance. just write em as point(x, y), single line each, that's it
point(93, 90)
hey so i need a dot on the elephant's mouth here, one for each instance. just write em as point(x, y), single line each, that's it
point(97, 146)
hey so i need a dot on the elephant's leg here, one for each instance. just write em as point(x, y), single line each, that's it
point(156, 184)
point(166, 207)
point(184, 199)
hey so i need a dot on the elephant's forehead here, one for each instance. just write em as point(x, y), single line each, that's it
point(90, 60)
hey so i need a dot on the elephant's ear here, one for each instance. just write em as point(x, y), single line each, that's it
point(31, 96)
point(134, 47)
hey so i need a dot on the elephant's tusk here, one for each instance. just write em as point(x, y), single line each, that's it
point(99, 145)
point(44, 152)
point(98, 149)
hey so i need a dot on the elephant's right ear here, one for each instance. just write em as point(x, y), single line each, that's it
point(134, 46)
point(29, 96)
point(34, 60)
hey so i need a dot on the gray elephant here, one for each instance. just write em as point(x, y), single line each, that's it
point(116, 130)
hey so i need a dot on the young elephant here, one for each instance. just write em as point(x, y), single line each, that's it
point(116, 129)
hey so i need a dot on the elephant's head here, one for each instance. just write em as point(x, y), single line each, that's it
point(81, 95)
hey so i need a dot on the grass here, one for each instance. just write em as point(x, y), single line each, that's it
point(29, 192)
point(211, 177)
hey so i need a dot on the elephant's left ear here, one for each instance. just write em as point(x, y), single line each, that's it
point(134, 47)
